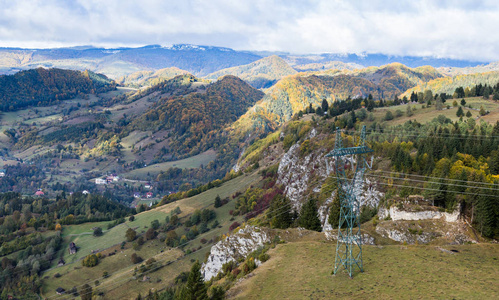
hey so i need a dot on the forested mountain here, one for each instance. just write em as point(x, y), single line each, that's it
point(194, 119)
point(39, 87)
point(296, 93)
point(150, 78)
point(260, 74)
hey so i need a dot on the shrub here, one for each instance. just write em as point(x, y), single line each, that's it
point(131, 219)
point(135, 258)
point(234, 225)
point(97, 231)
point(130, 234)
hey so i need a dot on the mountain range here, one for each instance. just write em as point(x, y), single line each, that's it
point(197, 60)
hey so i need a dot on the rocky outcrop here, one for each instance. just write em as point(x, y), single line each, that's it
point(295, 173)
point(302, 175)
point(233, 247)
point(398, 214)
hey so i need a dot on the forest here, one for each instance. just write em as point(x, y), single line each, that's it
point(40, 87)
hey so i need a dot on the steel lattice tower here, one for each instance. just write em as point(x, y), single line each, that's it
point(349, 242)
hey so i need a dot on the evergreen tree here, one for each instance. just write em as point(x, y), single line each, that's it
point(280, 212)
point(308, 216)
point(460, 112)
point(325, 105)
point(194, 289)
point(218, 201)
point(468, 114)
point(334, 212)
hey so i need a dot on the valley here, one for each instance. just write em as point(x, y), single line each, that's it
point(172, 176)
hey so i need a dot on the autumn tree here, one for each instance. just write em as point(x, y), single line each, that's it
point(130, 234)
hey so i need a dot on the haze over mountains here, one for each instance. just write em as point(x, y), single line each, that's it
point(198, 60)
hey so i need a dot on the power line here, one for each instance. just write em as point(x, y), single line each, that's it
point(436, 182)
point(444, 178)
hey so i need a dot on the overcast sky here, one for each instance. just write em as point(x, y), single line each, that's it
point(452, 29)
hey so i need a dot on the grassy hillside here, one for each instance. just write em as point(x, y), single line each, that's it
point(120, 283)
point(260, 74)
point(390, 272)
point(449, 84)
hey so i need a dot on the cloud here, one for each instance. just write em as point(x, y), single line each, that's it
point(454, 29)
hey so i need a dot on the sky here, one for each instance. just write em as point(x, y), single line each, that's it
point(456, 29)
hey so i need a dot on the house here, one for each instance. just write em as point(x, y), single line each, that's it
point(147, 186)
point(60, 291)
point(39, 193)
point(2, 172)
point(149, 195)
point(136, 195)
point(72, 248)
point(85, 192)
point(100, 181)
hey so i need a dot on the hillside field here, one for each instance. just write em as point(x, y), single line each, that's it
point(390, 272)
point(120, 283)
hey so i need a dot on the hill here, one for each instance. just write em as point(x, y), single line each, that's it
point(389, 272)
point(296, 93)
point(260, 74)
point(329, 65)
point(449, 84)
point(39, 87)
point(150, 78)
point(194, 120)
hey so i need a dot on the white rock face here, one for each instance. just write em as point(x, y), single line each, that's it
point(240, 244)
point(298, 174)
point(295, 172)
point(397, 215)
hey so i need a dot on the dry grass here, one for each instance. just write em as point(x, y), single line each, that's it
point(391, 272)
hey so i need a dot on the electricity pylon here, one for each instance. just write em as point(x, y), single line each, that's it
point(349, 242)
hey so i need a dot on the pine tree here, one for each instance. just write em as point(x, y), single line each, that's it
point(468, 114)
point(460, 112)
point(195, 288)
point(334, 212)
point(308, 216)
point(280, 212)
point(325, 105)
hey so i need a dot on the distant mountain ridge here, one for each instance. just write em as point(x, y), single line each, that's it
point(197, 60)
point(262, 73)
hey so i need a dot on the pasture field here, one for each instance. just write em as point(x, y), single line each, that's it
point(390, 272)
point(423, 115)
point(187, 163)
point(121, 284)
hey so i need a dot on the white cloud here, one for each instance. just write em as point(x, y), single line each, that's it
point(456, 29)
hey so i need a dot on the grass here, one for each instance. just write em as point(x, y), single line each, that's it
point(119, 264)
point(423, 115)
point(391, 272)
point(187, 163)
